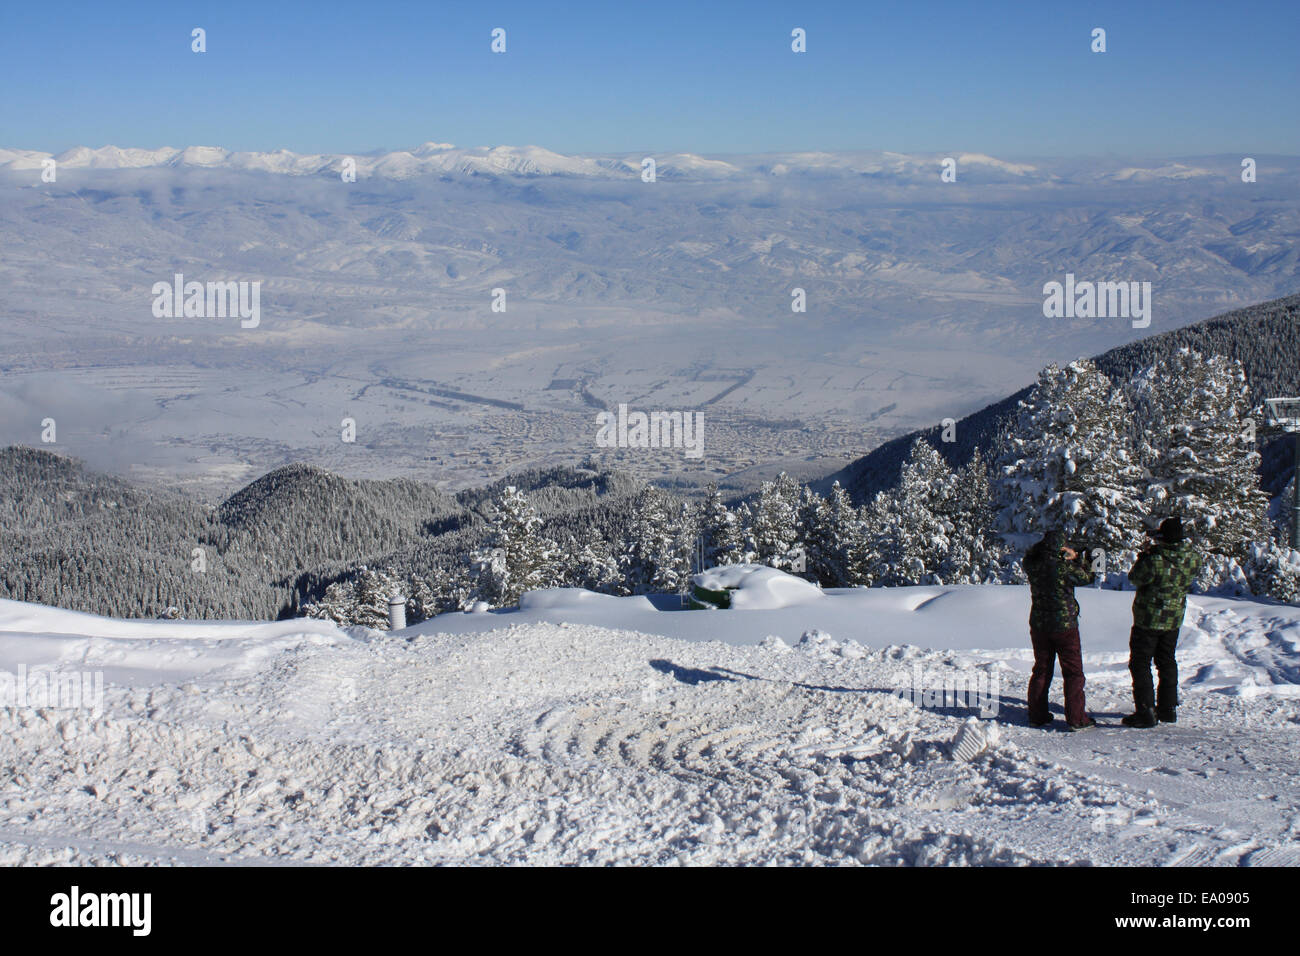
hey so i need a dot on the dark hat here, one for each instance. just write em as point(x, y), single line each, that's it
point(1171, 530)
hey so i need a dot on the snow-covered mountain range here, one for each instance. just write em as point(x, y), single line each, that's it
point(433, 158)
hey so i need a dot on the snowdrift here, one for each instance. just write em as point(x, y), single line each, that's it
point(756, 587)
point(142, 652)
point(1227, 644)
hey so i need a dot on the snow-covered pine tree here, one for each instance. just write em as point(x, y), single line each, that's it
point(421, 601)
point(832, 533)
point(865, 559)
point(884, 562)
point(374, 587)
point(360, 599)
point(1065, 461)
point(721, 536)
point(592, 565)
point(1283, 516)
point(518, 558)
point(744, 523)
point(656, 557)
point(1273, 570)
point(1200, 467)
point(337, 604)
point(774, 531)
point(913, 523)
point(976, 554)
point(809, 516)
point(440, 590)
point(686, 545)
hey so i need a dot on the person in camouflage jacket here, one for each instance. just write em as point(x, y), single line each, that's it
point(1055, 570)
point(1162, 575)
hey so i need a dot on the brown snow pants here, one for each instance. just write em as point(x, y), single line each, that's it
point(1047, 648)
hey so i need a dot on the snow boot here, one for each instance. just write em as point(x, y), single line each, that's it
point(1088, 724)
point(1041, 723)
point(1141, 718)
point(1167, 716)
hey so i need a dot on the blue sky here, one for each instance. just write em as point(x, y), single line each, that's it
point(1010, 79)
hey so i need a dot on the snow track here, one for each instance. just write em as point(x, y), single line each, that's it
point(562, 743)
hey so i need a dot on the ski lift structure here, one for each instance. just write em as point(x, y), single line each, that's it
point(1284, 413)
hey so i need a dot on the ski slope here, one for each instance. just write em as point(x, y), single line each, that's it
point(585, 729)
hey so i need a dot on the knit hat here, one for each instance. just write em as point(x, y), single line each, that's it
point(1171, 530)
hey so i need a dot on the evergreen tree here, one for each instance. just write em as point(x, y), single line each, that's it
point(686, 546)
point(592, 565)
point(864, 553)
point(361, 599)
point(1273, 570)
point(721, 536)
point(913, 521)
point(439, 591)
point(519, 558)
point(832, 532)
point(744, 523)
point(1065, 461)
point(976, 554)
point(657, 555)
point(809, 517)
point(774, 531)
point(1200, 467)
point(1284, 515)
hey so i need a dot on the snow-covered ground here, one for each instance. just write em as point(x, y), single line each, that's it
point(588, 729)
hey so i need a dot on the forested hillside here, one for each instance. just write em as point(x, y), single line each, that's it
point(74, 538)
point(1264, 338)
point(1100, 446)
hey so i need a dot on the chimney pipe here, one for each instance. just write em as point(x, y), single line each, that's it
point(396, 612)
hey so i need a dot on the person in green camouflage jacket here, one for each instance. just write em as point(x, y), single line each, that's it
point(1054, 570)
point(1162, 575)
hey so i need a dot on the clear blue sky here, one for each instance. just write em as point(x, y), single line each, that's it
point(1012, 79)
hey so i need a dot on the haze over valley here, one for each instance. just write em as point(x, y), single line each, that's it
point(923, 300)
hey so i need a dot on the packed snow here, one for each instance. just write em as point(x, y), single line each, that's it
point(590, 729)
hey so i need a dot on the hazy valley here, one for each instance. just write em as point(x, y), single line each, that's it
point(924, 300)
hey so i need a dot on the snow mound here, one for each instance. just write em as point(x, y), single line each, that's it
point(756, 587)
point(142, 652)
point(549, 599)
point(24, 618)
